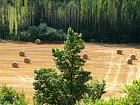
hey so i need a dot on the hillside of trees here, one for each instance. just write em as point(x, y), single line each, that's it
point(99, 20)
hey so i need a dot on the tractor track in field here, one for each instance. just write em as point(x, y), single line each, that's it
point(113, 84)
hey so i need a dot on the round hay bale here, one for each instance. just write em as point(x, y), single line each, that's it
point(85, 56)
point(27, 60)
point(22, 53)
point(119, 51)
point(15, 65)
point(38, 41)
point(130, 61)
point(133, 57)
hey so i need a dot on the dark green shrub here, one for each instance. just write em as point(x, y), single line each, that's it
point(52, 35)
point(42, 32)
point(43, 28)
point(33, 33)
point(23, 36)
point(9, 96)
point(30, 35)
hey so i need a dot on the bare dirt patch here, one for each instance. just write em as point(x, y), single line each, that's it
point(103, 62)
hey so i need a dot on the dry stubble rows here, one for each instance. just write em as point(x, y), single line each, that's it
point(103, 62)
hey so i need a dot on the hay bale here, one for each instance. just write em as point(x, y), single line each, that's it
point(85, 56)
point(27, 60)
point(119, 51)
point(133, 57)
point(130, 61)
point(38, 41)
point(22, 53)
point(15, 65)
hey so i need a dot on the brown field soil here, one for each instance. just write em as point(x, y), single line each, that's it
point(103, 62)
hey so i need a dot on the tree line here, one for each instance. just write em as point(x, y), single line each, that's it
point(99, 20)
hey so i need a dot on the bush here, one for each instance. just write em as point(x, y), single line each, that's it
point(23, 36)
point(33, 33)
point(132, 97)
point(133, 92)
point(42, 32)
point(9, 96)
point(52, 35)
point(43, 28)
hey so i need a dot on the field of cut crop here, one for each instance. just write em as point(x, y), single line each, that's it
point(103, 62)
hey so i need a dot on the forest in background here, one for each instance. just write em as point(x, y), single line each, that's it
point(99, 20)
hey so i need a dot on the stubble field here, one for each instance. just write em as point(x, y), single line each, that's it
point(103, 62)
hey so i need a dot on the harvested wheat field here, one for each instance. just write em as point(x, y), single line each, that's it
point(103, 61)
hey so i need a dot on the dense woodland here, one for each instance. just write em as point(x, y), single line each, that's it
point(98, 20)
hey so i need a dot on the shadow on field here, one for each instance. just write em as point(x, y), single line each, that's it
point(14, 42)
point(3, 41)
point(137, 46)
point(132, 45)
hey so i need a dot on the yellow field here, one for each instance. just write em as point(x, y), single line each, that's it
point(103, 62)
